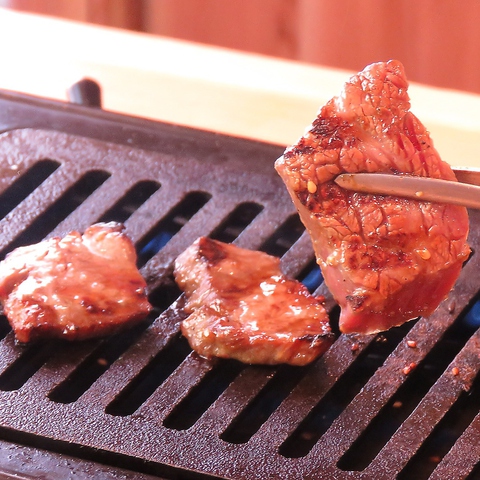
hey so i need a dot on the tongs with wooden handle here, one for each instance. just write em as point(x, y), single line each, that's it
point(465, 192)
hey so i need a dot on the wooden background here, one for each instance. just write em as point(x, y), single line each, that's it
point(437, 40)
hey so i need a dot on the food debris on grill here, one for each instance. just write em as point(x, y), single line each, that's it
point(241, 306)
point(76, 287)
point(385, 259)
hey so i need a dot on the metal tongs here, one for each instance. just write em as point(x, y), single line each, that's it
point(465, 192)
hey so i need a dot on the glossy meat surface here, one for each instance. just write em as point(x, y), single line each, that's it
point(241, 306)
point(385, 259)
point(76, 287)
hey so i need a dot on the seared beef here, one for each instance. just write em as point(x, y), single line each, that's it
point(241, 306)
point(385, 259)
point(77, 287)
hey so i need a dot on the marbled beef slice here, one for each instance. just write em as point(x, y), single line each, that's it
point(385, 259)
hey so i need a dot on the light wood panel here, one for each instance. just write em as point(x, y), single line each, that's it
point(437, 40)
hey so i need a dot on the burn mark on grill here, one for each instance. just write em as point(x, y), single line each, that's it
point(302, 148)
point(171, 224)
point(326, 200)
point(332, 131)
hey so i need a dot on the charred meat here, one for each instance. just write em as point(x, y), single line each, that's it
point(75, 287)
point(385, 259)
point(241, 306)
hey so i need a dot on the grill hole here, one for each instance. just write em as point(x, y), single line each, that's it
point(320, 418)
point(26, 365)
point(311, 276)
point(161, 234)
point(472, 253)
point(475, 473)
point(83, 377)
point(284, 237)
point(202, 396)
point(445, 434)
point(4, 327)
point(130, 202)
point(60, 209)
point(25, 185)
point(265, 403)
point(162, 297)
point(408, 396)
point(150, 378)
point(471, 320)
point(236, 222)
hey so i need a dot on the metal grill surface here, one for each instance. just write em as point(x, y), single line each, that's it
point(140, 404)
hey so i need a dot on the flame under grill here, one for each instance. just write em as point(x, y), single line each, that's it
point(140, 404)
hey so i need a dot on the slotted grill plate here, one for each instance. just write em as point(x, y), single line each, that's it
point(372, 407)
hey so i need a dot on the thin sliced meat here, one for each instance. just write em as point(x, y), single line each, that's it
point(241, 306)
point(385, 259)
point(75, 287)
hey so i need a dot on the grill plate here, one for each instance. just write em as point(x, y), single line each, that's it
point(141, 403)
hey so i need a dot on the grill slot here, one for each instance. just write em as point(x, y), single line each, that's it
point(130, 202)
point(284, 237)
point(150, 378)
point(202, 396)
point(311, 276)
point(98, 362)
point(25, 366)
point(170, 225)
point(60, 209)
point(264, 404)
point(4, 327)
point(163, 297)
point(407, 397)
point(73, 461)
point(445, 434)
point(26, 184)
point(341, 394)
point(236, 222)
